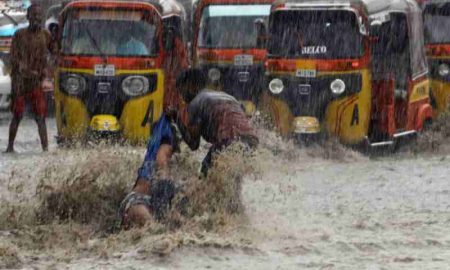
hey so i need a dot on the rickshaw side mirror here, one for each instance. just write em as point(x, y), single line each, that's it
point(261, 33)
point(375, 29)
point(53, 28)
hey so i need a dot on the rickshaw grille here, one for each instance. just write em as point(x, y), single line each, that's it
point(311, 96)
point(244, 83)
point(104, 95)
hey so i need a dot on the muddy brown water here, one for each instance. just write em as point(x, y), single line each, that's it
point(325, 207)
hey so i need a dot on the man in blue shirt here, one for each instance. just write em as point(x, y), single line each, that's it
point(132, 46)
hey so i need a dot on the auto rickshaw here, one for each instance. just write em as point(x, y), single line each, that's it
point(115, 67)
point(229, 45)
point(436, 15)
point(353, 69)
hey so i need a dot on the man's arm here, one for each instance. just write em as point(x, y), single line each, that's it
point(15, 63)
point(15, 54)
point(189, 132)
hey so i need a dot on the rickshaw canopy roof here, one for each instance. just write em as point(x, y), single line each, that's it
point(426, 3)
point(199, 4)
point(166, 8)
point(370, 7)
point(231, 2)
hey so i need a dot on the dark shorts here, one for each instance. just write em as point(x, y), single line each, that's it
point(36, 100)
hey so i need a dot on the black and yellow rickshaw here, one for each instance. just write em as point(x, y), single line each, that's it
point(356, 70)
point(113, 72)
point(229, 46)
point(437, 39)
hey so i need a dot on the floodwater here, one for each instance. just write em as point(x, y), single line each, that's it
point(326, 207)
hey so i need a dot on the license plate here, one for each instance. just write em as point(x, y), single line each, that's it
point(306, 73)
point(243, 60)
point(104, 70)
point(304, 89)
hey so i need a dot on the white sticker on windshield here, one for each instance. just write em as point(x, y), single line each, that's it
point(314, 50)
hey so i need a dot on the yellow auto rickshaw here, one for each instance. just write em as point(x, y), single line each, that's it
point(354, 69)
point(436, 15)
point(114, 67)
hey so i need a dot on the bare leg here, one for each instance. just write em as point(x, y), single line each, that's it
point(42, 128)
point(163, 156)
point(13, 127)
point(140, 214)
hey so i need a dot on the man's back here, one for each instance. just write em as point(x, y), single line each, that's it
point(219, 116)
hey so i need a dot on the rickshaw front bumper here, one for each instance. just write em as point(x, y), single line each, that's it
point(306, 125)
point(104, 125)
point(306, 130)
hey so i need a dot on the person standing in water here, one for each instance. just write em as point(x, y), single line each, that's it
point(29, 50)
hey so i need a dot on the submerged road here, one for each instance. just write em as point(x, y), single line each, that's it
point(302, 211)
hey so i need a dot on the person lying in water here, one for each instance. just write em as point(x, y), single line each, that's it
point(154, 189)
point(216, 116)
point(161, 146)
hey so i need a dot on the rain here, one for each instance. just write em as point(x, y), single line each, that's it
point(224, 134)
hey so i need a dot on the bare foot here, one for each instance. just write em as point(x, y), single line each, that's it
point(9, 150)
point(139, 215)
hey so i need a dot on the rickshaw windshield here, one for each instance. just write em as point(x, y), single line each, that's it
point(331, 34)
point(118, 33)
point(232, 26)
point(437, 23)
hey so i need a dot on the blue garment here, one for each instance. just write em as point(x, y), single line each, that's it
point(162, 132)
point(132, 47)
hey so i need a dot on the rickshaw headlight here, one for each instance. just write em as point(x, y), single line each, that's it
point(444, 70)
point(135, 85)
point(74, 84)
point(214, 74)
point(337, 87)
point(276, 86)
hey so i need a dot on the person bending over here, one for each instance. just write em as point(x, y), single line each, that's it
point(212, 115)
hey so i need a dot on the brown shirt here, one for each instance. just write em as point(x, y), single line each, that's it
point(219, 118)
point(29, 52)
